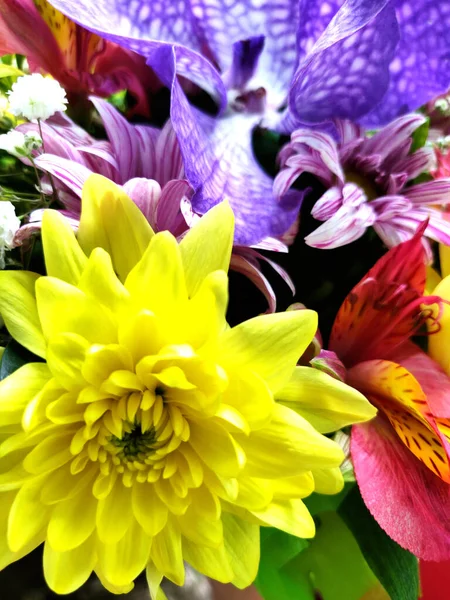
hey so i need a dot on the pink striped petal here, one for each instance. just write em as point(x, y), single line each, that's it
point(168, 214)
point(421, 161)
point(242, 265)
point(324, 145)
point(72, 174)
point(328, 204)
point(431, 192)
point(123, 138)
point(388, 139)
point(145, 193)
point(169, 161)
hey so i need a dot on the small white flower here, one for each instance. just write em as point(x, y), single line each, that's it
point(33, 141)
point(36, 97)
point(14, 143)
point(9, 224)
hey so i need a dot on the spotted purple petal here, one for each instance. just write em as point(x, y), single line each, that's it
point(346, 73)
point(228, 21)
point(314, 19)
point(420, 69)
point(145, 26)
point(246, 54)
point(219, 165)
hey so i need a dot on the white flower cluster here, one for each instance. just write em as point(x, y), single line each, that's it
point(9, 224)
point(19, 144)
point(36, 97)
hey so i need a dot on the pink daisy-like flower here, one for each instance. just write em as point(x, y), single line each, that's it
point(370, 181)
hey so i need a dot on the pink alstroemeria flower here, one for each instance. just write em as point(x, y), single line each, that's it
point(81, 61)
point(147, 162)
point(370, 181)
point(402, 457)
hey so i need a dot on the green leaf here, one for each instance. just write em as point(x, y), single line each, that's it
point(9, 71)
point(317, 503)
point(396, 568)
point(14, 357)
point(277, 549)
point(420, 136)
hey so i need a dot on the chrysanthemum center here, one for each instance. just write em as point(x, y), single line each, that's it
point(365, 183)
point(135, 444)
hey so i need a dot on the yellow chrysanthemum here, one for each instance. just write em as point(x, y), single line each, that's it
point(151, 434)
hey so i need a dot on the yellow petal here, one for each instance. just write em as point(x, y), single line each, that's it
point(19, 311)
point(199, 529)
point(288, 446)
point(250, 395)
point(299, 486)
point(217, 448)
point(438, 343)
point(207, 246)
point(157, 281)
point(122, 562)
point(166, 553)
point(72, 521)
point(64, 308)
point(154, 578)
point(35, 411)
point(149, 510)
point(204, 317)
point(242, 548)
point(433, 279)
point(65, 357)
point(19, 388)
point(291, 516)
point(63, 485)
point(444, 259)
point(28, 516)
point(101, 361)
point(114, 589)
point(110, 220)
point(142, 334)
point(65, 410)
point(114, 514)
point(269, 345)
point(212, 562)
point(328, 481)
point(51, 453)
point(64, 258)
point(6, 555)
point(65, 572)
point(99, 281)
point(328, 404)
point(254, 494)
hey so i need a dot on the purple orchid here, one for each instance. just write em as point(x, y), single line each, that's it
point(276, 63)
point(370, 183)
point(151, 173)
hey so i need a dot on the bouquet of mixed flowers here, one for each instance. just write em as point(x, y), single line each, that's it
point(225, 298)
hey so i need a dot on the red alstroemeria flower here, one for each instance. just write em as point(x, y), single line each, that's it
point(402, 457)
point(82, 62)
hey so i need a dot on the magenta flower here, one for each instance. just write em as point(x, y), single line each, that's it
point(370, 183)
